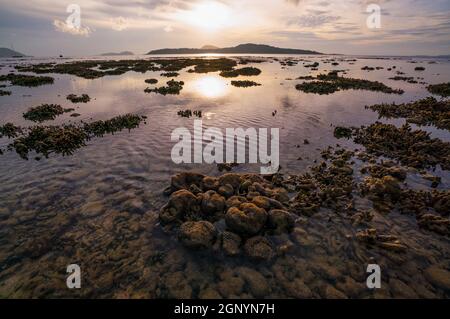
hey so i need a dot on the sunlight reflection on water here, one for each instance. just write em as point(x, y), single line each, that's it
point(210, 86)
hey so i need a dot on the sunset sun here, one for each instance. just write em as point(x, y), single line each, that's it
point(209, 16)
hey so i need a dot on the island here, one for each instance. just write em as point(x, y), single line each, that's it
point(117, 53)
point(248, 48)
point(8, 53)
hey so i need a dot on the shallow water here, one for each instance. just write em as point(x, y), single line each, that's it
point(98, 208)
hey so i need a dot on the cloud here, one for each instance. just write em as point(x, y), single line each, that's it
point(168, 29)
point(311, 21)
point(119, 23)
point(294, 2)
point(323, 4)
point(62, 26)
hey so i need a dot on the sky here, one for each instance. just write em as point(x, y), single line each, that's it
point(404, 27)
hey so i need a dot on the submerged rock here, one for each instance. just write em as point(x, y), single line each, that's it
point(247, 219)
point(180, 204)
point(212, 203)
point(259, 248)
point(197, 235)
point(256, 282)
point(231, 243)
point(438, 276)
point(282, 221)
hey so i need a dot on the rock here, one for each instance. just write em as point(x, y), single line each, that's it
point(262, 202)
point(259, 248)
point(92, 209)
point(231, 243)
point(210, 183)
point(209, 293)
point(281, 220)
point(185, 179)
point(245, 185)
point(385, 186)
point(212, 203)
point(438, 277)
point(397, 172)
point(266, 202)
point(351, 287)
point(134, 205)
point(435, 180)
point(235, 201)
point(226, 190)
point(230, 178)
point(177, 286)
point(333, 293)
point(281, 195)
point(231, 286)
point(247, 219)
point(180, 203)
point(301, 237)
point(437, 224)
point(258, 187)
point(298, 289)
point(194, 189)
point(197, 235)
point(328, 271)
point(400, 290)
point(251, 195)
point(256, 282)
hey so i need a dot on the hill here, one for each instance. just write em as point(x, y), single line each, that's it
point(8, 53)
point(248, 48)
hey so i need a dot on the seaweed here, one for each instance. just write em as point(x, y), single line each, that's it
point(247, 71)
point(44, 112)
point(64, 139)
point(189, 113)
point(170, 74)
point(442, 89)
point(332, 82)
point(26, 80)
point(173, 87)
point(9, 130)
point(91, 69)
point(428, 111)
point(403, 78)
point(45, 140)
point(118, 123)
point(313, 65)
point(244, 83)
point(84, 98)
point(340, 132)
point(412, 148)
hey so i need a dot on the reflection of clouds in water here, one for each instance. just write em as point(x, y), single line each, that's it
point(210, 87)
point(113, 83)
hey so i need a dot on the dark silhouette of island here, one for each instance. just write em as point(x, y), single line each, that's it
point(117, 53)
point(248, 48)
point(8, 53)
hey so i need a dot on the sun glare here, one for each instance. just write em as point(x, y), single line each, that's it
point(210, 16)
point(210, 86)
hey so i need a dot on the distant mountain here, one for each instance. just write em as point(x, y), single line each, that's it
point(209, 47)
point(117, 53)
point(8, 53)
point(248, 48)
